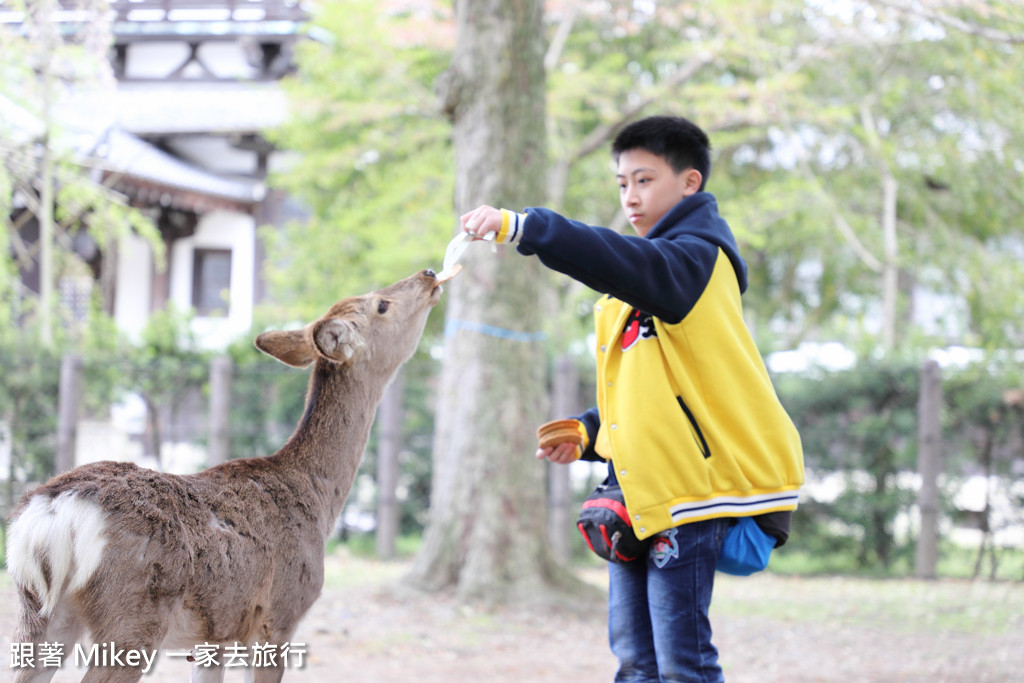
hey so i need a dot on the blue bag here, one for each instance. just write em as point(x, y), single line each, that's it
point(746, 548)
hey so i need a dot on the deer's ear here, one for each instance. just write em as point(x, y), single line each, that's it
point(337, 340)
point(291, 347)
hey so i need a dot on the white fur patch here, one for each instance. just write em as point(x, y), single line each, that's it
point(66, 534)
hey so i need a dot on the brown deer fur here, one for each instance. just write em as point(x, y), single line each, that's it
point(232, 554)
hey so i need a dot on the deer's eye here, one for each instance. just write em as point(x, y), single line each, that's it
point(382, 307)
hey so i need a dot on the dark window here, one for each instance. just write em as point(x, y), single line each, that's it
point(211, 280)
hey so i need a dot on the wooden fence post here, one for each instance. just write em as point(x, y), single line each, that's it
point(221, 370)
point(389, 445)
point(563, 403)
point(928, 465)
point(68, 408)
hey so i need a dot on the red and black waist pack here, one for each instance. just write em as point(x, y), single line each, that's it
point(606, 527)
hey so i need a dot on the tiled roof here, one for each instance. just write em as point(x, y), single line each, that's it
point(145, 167)
point(147, 19)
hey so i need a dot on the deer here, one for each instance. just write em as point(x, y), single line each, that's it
point(145, 561)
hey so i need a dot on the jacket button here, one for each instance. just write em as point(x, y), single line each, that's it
point(622, 473)
point(643, 529)
point(615, 426)
point(603, 348)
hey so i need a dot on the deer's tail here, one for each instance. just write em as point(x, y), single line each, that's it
point(54, 546)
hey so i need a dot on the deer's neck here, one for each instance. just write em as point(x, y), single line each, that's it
point(328, 444)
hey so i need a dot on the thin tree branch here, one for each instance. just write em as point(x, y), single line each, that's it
point(600, 135)
point(554, 52)
point(845, 229)
point(920, 10)
point(22, 252)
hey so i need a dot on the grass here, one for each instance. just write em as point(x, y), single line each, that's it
point(891, 604)
point(955, 562)
point(346, 569)
point(959, 562)
point(364, 545)
point(898, 605)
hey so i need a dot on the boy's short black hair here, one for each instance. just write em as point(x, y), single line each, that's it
point(677, 140)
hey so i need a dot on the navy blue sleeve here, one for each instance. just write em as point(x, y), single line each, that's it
point(592, 422)
point(663, 276)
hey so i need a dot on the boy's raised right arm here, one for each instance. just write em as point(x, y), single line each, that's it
point(662, 277)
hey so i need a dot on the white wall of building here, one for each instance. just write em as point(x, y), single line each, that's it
point(218, 230)
point(159, 59)
point(134, 285)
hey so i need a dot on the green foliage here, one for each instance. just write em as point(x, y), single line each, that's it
point(417, 430)
point(375, 166)
point(985, 416)
point(31, 377)
point(28, 404)
point(846, 417)
point(806, 105)
point(167, 346)
point(267, 400)
point(985, 437)
point(164, 367)
point(859, 431)
point(42, 64)
point(103, 348)
point(913, 107)
point(859, 434)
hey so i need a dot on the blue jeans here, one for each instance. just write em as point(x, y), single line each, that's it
point(658, 622)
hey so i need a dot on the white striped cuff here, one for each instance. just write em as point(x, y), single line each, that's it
point(511, 227)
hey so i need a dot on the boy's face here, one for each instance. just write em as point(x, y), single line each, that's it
point(649, 188)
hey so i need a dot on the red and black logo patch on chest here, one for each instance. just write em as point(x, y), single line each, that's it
point(639, 326)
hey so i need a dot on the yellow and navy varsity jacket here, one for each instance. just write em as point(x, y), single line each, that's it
point(686, 413)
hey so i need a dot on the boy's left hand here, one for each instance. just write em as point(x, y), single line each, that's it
point(562, 454)
point(481, 221)
point(560, 441)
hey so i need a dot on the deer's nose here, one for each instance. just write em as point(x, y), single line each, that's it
point(429, 272)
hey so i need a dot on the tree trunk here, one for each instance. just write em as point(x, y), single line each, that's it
point(486, 535)
point(69, 401)
point(47, 278)
point(929, 466)
point(152, 438)
point(988, 443)
point(890, 263)
point(389, 445)
point(565, 402)
point(221, 371)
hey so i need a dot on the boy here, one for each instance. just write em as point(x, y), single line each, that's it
point(686, 415)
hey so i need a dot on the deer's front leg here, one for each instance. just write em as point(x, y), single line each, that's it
point(207, 674)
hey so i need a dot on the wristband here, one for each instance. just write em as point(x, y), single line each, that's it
point(511, 227)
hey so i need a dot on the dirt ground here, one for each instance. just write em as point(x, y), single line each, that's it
point(768, 628)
